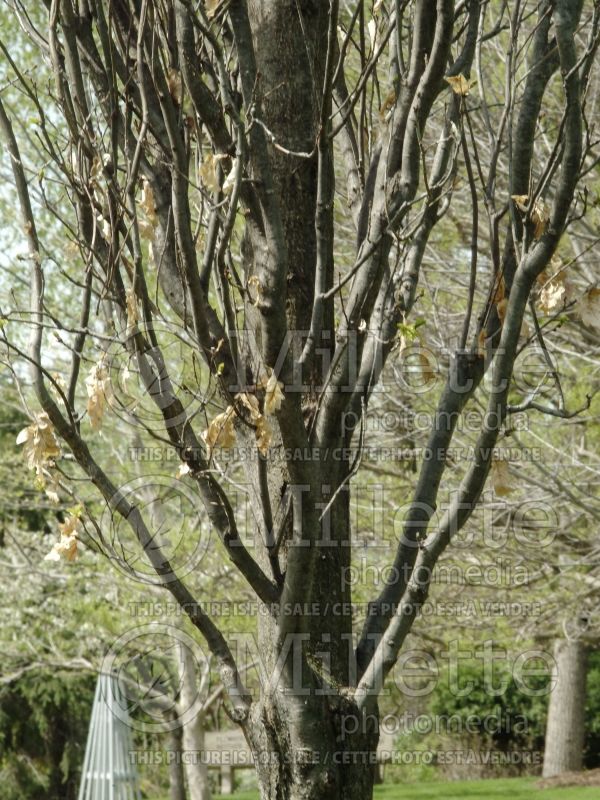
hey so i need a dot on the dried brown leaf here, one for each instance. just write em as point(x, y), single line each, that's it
point(459, 84)
point(588, 307)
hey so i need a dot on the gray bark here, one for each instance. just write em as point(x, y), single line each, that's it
point(196, 772)
point(565, 729)
point(176, 777)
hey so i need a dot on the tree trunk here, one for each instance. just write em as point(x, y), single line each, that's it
point(302, 750)
point(308, 738)
point(565, 728)
point(196, 772)
point(176, 778)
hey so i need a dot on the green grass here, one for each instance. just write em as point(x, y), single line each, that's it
point(503, 789)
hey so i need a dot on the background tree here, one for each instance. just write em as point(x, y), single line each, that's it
point(60, 626)
point(194, 156)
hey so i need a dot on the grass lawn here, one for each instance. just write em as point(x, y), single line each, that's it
point(513, 788)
